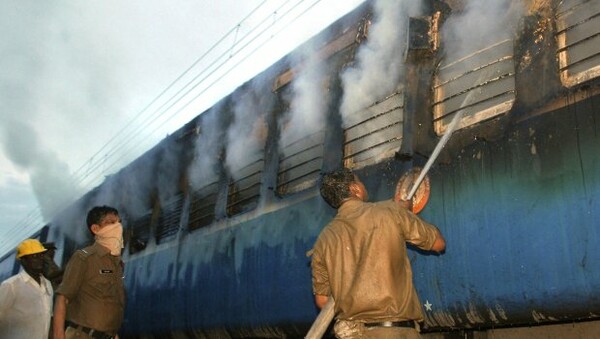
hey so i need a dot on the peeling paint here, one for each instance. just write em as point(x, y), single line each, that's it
point(501, 312)
point(539, 317)
point(473, 315)
point(493, 317)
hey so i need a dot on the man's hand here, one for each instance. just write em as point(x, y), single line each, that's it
point(321, 300)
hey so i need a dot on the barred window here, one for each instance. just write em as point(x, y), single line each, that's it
point(170, 217)
point(374, 133)
point(578, 37)
point(481, 85)
point(140, 233)
point(202, 206)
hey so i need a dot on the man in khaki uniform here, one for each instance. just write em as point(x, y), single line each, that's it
point(91, 297)
point(360, 260)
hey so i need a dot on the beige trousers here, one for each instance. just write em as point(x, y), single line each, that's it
point(353, 330)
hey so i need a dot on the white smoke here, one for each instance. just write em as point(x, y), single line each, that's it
point(49, 176)
point(480, 24)
point(307, 109)
point(207, 149)
point(247, 134)
point(380, 61)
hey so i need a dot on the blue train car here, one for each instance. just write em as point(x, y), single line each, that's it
point(220, 214)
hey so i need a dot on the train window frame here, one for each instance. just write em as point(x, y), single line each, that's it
point(491, 68)
point(169, 219)
point(249, 179)
point(376, 132)
point(207, 198)
point(138, 242)
point(305, 156)
point(578, 60)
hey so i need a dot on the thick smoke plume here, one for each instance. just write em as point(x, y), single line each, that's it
point(207, 150)
point(380, 61)
point(306, 114)
point(247, 134)
point(49, 176)
point(480, 24)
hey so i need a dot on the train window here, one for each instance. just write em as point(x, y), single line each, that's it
point(578, 38)
point(244, 186)
point(300, 163)
point(202, 205)
point(139, 231)
point(170, 216)
point(374, 133)
point(480, 84)
point(302, 124)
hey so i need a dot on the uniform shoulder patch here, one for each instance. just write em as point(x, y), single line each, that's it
point(85, 252)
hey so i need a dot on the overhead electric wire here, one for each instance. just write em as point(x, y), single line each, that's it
point(140, 128)
point(35, 216)
point(131, 121)
point(154, 117)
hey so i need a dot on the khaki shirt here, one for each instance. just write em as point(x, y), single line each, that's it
point(360, 259)
point(93, 284)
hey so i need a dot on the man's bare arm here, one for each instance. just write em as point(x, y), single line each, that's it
point(60, 313)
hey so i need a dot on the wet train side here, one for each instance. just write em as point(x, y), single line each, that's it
point(219, 216)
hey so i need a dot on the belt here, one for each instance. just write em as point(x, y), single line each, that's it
point(90, 331)
point(407, 323)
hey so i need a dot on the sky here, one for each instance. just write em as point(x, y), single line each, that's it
point(87, 86)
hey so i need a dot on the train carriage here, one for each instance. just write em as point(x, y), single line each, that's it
point(219, 215)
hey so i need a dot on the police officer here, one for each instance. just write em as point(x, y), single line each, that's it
point(91, 297)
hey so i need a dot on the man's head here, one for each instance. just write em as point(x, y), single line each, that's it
point(101, 216)
point(341, 185)
point(30, 253)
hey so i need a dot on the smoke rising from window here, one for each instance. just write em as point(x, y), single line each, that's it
point(207, 150)
point(247, 134)
point(307, 99)
point(379, 63)
point(480, 24)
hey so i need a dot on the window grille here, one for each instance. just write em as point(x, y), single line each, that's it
point(374, 133)
point(578, 38)
point(170, 217)
point(481, 84)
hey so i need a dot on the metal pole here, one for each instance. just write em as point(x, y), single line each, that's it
point(320, 325)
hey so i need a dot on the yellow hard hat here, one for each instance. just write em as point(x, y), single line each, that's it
point(28, 247)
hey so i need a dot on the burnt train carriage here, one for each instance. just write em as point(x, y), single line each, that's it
point(220, 214)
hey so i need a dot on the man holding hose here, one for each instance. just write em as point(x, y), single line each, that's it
point(360, 260)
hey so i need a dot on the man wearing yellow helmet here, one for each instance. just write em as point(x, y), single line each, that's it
point(26, 298)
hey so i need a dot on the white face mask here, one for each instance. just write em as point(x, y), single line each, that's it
point(111, 237)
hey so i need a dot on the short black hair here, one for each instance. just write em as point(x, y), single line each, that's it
point(96, 214)
point(335, 186)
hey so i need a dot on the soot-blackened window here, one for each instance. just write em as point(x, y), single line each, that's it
point(300, 163)
point(244, 186)
point(479, 85)
point(374, 133)
point(140, 233)
point(202, 205)
point(578, 37)
point(170, 217)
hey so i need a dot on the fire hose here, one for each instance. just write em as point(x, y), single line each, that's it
point(327, 313)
